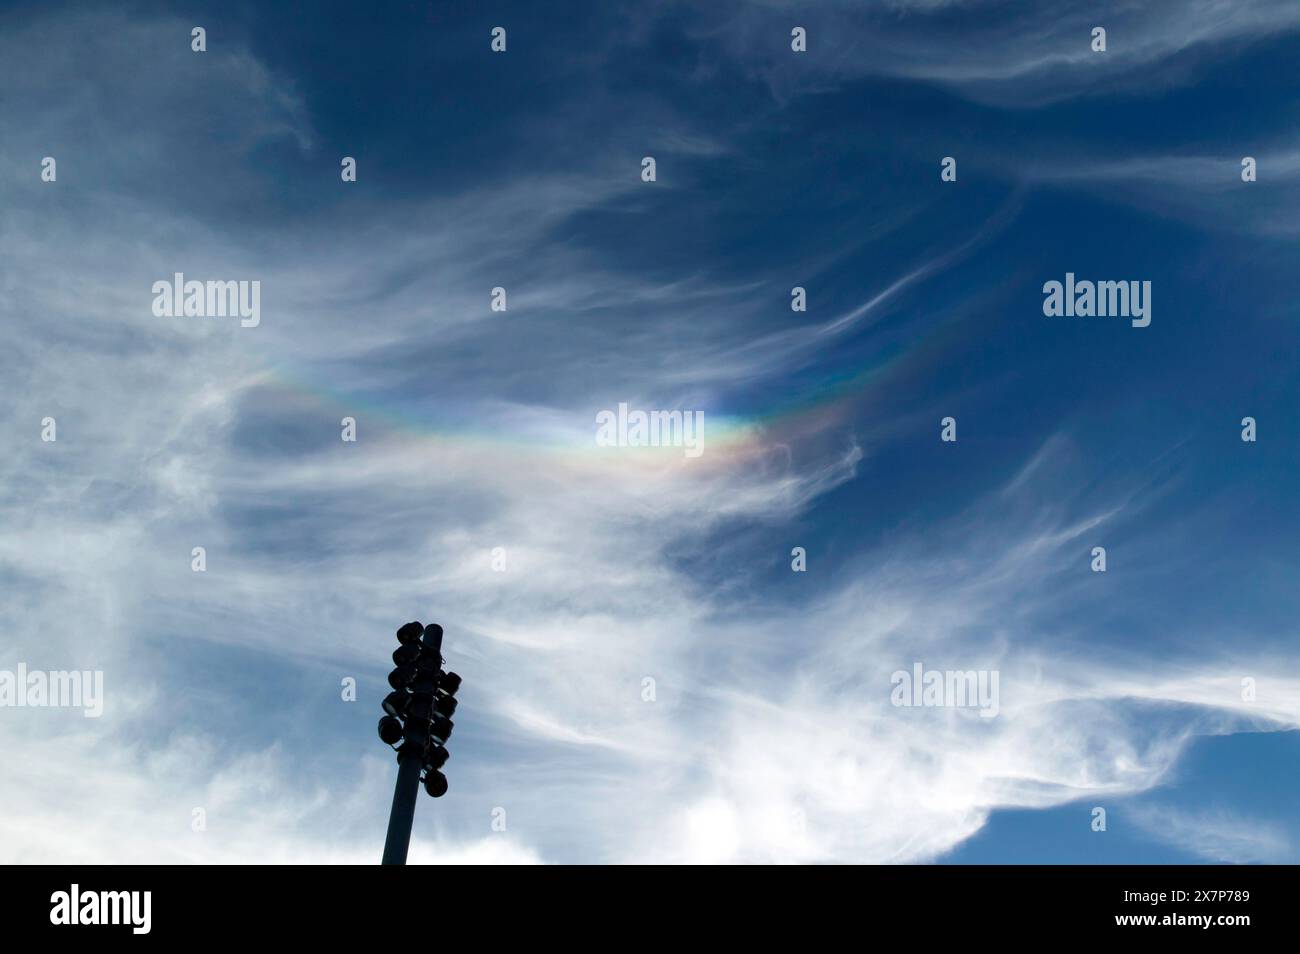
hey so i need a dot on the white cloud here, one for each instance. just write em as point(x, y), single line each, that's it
point(772, 737)
point(1006, 54)
point(1218, 836)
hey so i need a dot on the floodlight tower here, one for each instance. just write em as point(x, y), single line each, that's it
point(417, 724)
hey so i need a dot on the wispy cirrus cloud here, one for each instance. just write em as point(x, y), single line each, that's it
point(1222, 837)
point(1000, 53)
point(771, 735)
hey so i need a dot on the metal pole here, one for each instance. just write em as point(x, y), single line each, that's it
point(405, 792)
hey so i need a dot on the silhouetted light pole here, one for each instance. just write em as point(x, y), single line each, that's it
point(417, 723)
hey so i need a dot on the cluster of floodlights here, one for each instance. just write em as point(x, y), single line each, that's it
point(423, 700)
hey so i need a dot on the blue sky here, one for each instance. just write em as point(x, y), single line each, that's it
point(771, 736)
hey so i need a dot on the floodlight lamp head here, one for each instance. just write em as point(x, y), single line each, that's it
point(409, 632)
point(390, 730)
point(436, 757)
point(435, 783)
point(441, 726)
point(401, 677)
